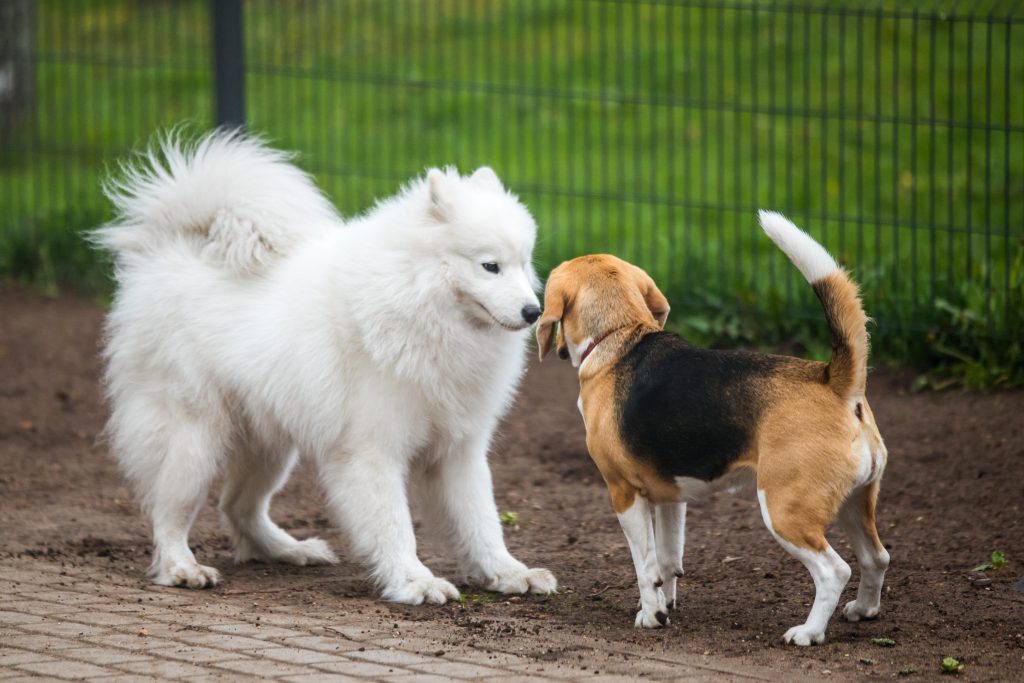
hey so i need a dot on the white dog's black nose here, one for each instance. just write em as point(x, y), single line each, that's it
point(531, 313)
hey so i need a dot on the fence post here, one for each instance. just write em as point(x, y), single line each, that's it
point(228, 62)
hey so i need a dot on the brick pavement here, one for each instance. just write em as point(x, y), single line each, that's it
point(81, 623)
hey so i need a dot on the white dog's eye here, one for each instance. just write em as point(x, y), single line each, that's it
point(491, 267)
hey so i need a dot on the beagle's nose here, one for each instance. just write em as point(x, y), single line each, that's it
point(531, 313)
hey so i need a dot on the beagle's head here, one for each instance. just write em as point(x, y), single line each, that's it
point(592, 296)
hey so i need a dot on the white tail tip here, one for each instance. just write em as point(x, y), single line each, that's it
point(806, 254)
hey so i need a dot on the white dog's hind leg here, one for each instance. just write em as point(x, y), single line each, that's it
point(458, 497)
point(173, 499)
point(670, 538)
point(367, 496)
point(252, 478)
point(639, 529)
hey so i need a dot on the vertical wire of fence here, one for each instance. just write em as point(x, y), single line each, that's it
point(653, 129)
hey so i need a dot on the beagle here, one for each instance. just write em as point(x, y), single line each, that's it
point(668, 421)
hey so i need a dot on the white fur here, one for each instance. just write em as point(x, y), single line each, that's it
point(830, 573)
point(670, 539)
point(381, 349)
point(636, 524)
point(807, 255)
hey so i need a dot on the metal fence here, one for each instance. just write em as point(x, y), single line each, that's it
point(653, 129)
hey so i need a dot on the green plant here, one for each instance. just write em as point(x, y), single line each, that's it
point(883, 642)
point(997, 562)
point(509, 518)
point(951, 665)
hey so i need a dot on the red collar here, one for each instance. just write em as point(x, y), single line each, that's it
point(593, 344)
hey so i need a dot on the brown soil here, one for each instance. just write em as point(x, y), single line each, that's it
point(953, 493)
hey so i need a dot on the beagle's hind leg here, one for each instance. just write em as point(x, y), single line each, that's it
point(857, 519)
point(798, 524)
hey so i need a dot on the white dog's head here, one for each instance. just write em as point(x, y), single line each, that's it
point(486, 237)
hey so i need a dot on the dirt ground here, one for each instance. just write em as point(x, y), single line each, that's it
point(953, 493)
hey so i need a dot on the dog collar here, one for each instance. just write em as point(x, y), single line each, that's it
point(593, 344)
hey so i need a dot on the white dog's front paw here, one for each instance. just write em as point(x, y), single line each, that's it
point(855, 612)
point(803, 636)
point(429, 589)
point(522, 580)
point(651, 618)
point(186, 575)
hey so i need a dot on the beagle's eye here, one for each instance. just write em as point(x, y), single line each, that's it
point(491, 267)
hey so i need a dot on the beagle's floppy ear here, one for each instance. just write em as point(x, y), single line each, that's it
point(554, 307)
point(656, 302)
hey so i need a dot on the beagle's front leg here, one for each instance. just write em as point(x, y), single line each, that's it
point(637, 524)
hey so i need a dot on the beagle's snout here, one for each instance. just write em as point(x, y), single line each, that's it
point(530, 313)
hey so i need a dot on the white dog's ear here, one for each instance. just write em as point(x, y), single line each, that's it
point(438, 184)
point(486, 176)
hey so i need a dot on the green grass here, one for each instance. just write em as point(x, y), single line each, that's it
point(649, 130)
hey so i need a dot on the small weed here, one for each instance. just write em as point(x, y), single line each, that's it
point(509, 518)
point(867, 660)
point(469, 598)
point(951, 665)
point(998, 562)
point(907, 671)
point(883, 642)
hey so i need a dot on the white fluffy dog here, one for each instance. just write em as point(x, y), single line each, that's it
point(251, 327)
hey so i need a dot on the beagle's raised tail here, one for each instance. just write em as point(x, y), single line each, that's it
point(839, 296)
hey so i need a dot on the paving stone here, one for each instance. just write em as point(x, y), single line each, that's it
point(222, 640)
point(189, 653)
point(26, 576)
point(40, 608)
point(11, 656)
point(289, 620)
point(130, 642)
point(18, 618)
point(257, 631)
point(360, 669)
point(125, 678)
point(324, 678)
point(395, 657)
point(41, 642)
point(164, 669)
point(67, 669)
point(293, 655)
point(323, 643)
point(457, 669)
point(102, 656)
point(108, 618)
point(263, 668)
point(70, 629)
point(415, 677)
point(64, 597)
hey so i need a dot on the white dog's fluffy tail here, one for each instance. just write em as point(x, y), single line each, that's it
point(239, 202)
point(839, 296)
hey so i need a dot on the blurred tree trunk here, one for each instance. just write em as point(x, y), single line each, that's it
point(17, 68)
